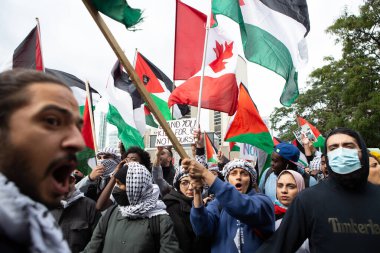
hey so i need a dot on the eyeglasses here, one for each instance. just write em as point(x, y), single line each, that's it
point(184, 183)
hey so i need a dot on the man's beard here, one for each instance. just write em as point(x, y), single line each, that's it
point(351, 181)
point(16, 167)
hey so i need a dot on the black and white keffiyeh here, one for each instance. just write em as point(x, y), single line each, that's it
point(242, 164)
point(28, 222)
point(142, 194)
point(74, 196)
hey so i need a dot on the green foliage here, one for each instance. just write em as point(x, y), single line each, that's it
point(344, 92)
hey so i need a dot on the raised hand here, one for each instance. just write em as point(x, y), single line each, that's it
point(198, 137)
point(96, 172)
point(193, 168)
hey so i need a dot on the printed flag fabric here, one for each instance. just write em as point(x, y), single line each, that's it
point(220, 90)
point(189, 37)
point(273, 36)
point(276, 140)
point(320, 142)
point(126, 108)
point(247, 126)
point(211, 150)
point(159, 87)
point(86, 158)
point(28, 54)
point(120, 11)
point(234, 146)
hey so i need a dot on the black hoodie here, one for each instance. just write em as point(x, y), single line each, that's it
point(178, 206)
point(335, 215)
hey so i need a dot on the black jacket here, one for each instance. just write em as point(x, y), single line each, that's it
point(77, 222)
point(334, 220)
point(168, 174)
point(178, 206)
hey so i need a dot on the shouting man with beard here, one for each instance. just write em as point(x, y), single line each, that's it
point(341, 214)
point(40, 133)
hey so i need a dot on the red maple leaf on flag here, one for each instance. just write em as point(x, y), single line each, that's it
point(222, 53)
point(241, 2)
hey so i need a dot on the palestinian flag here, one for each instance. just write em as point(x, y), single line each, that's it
point(211, 150)
point(247, 126)
point(160, 87)
point(320, 142)
point(273, 36)
point(125, 108)
point(189, 37)
point(276, 140)
point(86, 158)
point(28, 54)
point(220, 90)
point(234, 146)
point(120, 11)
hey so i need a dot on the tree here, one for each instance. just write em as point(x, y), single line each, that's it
point(344, 92)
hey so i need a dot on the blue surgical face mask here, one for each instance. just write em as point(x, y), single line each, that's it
point(344, 160)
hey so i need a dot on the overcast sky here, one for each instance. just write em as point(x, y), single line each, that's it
point(72, 42)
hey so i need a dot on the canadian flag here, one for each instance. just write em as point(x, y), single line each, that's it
point(220, 90)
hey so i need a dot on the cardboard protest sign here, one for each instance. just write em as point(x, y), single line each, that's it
point(183, 129)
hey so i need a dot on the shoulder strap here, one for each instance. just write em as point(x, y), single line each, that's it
point(106, 218)
point(269, 171)
point(306, 179)
point(154, 224)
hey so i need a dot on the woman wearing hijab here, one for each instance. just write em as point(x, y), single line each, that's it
point(130, 228)
point(178, 204)
point(289, 184)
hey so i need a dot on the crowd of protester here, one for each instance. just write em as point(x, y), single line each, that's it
point(131, 202)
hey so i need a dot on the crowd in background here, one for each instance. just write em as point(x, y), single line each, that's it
point(131, 202)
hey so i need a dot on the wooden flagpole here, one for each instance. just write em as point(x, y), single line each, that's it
point(134, 77)
point(91, 113)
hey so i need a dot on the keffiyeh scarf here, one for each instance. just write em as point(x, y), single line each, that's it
point(72, 198)
point(28, 222)
point(142, 194)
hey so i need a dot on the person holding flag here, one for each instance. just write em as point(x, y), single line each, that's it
point(239, 218)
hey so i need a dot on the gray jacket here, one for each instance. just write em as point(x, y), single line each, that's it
point(131, 235)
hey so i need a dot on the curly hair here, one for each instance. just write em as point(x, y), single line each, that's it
point(144, 156)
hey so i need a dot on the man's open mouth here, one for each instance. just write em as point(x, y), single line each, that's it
point(61, 174)
point(238, 186)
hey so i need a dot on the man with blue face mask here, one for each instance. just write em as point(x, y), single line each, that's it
point(341, 214)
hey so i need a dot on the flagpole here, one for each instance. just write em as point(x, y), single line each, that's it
point(39, 37)
point(134, 60)
point(203, 67)
point(134, 77)
point(229, 118)
point(175, 43)
point(91, 113)
point(205, 143)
